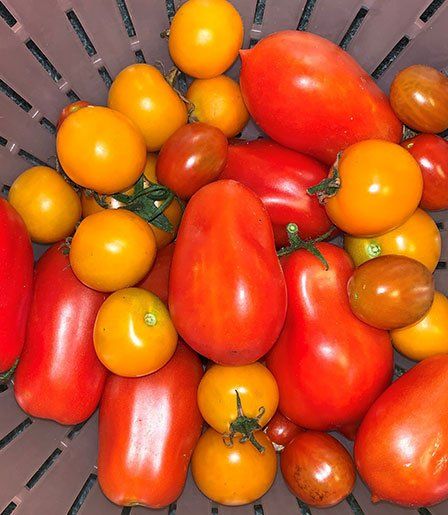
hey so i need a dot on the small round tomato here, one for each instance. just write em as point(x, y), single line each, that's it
point(48, 205)
point(133, 333)
point(70, 109)
point(390, 292)
point(380, 187)
point(112, 250)
point(157, 280)
point(428, 336)
point(219, 102)
point(419, 97)
point(418, 238)
point(233, 475)
point(318, 469)
point(141, 92)
point(205, 37)
point(101, 149)
point(281, 430)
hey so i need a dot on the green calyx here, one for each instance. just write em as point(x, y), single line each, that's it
point(373, 250)
point(329, 186)
point(6, 376)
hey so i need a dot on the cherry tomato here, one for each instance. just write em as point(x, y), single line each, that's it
point(431, 153)
point(112, 250)
point(234, 475)
point(281, 430)
point(318, 469)
point(419, 97)
point(219, 102)
point(101, 149)
point(70, 109)
point(390, 292)
point(380, 187)
point(418, 238)
point(205, 37)
point(48, 205)
point(157, 280)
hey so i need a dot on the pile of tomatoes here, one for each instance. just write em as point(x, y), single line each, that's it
point(171, 239)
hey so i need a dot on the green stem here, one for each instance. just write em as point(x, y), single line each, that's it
point(6, 376)
point(329, 186)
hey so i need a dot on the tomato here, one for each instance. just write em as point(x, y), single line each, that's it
point(280, 177)
point(70, 109)
point(156, 281)
point(219, 102)
point(419, 97)
point(318, 469)
point(418, 238)
point(148, 428)
point(401, 448)
point(281, 430)
point(389, 292)
point(241, 474)
point(227, 294)
point(59, 376)
point(329, 365)
point(205, 36)
point(47, 204)
point(16, 282)
point(313, 96)
point(111, 250)
point(191, 158)
point(431, 153)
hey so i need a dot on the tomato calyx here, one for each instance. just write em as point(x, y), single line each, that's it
point(65, 247)
point(6, 376)
point(329, 186)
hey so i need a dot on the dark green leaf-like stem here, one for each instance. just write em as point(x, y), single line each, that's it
point(6, 376)
point(329, 186)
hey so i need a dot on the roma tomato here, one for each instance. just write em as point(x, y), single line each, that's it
point(59, 375)
point(329, 365)
point(16, 282)
point(101, 149)
point(313, 96)
point(419, 97)
point(191, 158)
point(141, 93)
point(318, 469)
point(431, 153)
point(157, 280)
point(281, 430)
point(280, 177)
point(148, 429)
point(225, 262)
point(49, 206)
point(241, 474)
point(418, 238)
point(70, 109)
point(401, 448)
point(389, 292)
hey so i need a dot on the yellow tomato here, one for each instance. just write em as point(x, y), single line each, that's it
point(205, 37)
point(427, 337)
point(141, 92)
point(112, 250)
point(48, 205)
point(133, 333)
point(417, 238)
point(219, 102)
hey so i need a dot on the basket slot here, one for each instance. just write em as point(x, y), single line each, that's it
point(441, 278)
point(141, 510)
point(248, 509)
point(7, 15)
point(281, 15)
point(11, 414)
point(279, 500)
point(192, 502)
point(96, 503)
point(11, 165)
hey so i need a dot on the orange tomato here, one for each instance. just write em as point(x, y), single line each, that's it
point(48, 205)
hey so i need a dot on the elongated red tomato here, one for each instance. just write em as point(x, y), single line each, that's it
point(329, 366)
point(227, 293)
point(148, 429)
point(280, 177)
point(313, 96)
point(59, 375)
point(16, 278)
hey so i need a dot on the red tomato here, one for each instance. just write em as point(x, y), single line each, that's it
point(227, 293)
point(431, 153)
point(280, 177)
point(313, 96)
point(59, 376)
point(281, 431)
point(148, 429)
point(329, 365)
point(401, 448)
point(16, 281)
point(158, 277)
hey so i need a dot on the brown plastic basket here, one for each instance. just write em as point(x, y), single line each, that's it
point(56, 51)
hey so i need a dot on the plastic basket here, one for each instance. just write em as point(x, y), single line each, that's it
point(56, 51)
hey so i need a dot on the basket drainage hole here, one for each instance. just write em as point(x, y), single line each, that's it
point(14, 96)
point(9, 509)
point(354, 27)
point(3, 141)
point(14, 433)
point(258, 509)
point(43, 60)
point(81, 497)
point(431, 10)
point(43, 468)
point(10, 21)
point(390, 57)
point(304, 508)
point(126, 17)
point(81, 33)
point(306, 14)
point(355, 507)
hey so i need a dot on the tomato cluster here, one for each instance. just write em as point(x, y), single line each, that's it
point(172, 240)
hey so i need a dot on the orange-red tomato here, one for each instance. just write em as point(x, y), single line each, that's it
point(157, 280)
point(281, 430)
point(70, 109)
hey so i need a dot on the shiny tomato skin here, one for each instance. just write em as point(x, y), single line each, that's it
point(280, 177)
point(157, 279)
point(401, 448)
point(59, 376)
point(281, 430)
point(70, 109)
point(313, 97)
point(225, 262)
point(16, 283)
point(329, 365)
point(148, 428)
